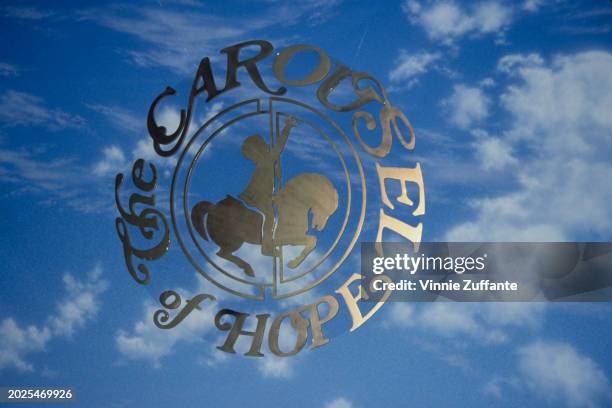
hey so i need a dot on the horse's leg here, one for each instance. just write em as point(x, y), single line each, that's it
point(311, 242)
point(226, 254)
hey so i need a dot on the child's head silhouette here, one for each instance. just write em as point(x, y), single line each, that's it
point(254, 148)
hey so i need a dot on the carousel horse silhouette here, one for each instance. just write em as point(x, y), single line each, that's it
point(230, 223)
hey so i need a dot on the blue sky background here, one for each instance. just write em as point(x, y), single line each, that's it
point(511, 105)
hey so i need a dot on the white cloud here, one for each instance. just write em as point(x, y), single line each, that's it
point(313, 12)
point(450, 319)
point(146, 342)
point(402, 314)
point(213, 110)
point(57, 181)
point(168, 117)
point(276, 367)
point(444, 330)
point(411, 7)
point(572, 92)
point(561, 374)
point(491, 16)
point(409, 66)
point(487, 83)
point(511, 63)
point(485, 322)
point(8, 70)
point(23, 109)
point(114, 159)
point(492, 388)
point(560, 119)
point(272, 366)
point(120, 118)
point(16, 343)
point(467, 105)
point(214, 357)
point(21, 167)
point(494, 153)
point(79, 306)
point(25, 13)
point(112, 162)
point(532, 5)
point(175, 37)
point(446, 21)
point(144, 150)
point(339, 403)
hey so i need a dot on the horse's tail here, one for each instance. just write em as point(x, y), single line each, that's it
point(197, 217)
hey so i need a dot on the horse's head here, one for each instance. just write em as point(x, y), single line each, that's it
point(325, 205)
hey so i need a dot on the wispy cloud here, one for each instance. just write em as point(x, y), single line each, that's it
point(25, 12)
point(122, 119)
point(146, 342)
point(560, 121)
point(533, 5)
point(447, 21)
point(588, 21)
point(486, 322)
point(22, 167)
point(16, 343)
point(447, 330)
point(23, 109)
point(8, 70)
point(561, 374)
point(179, 39)
point(53, 181)
point(114, 159)
point(79, 306)
point(408, 67)
point(340, 402)
point(176, 39)
point(511, 63)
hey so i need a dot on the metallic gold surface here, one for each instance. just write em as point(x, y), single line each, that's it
point(171, 300)
point(230, 223)
point(146, 221)
point(270, 212)
point(232, 206)
point(317, 74)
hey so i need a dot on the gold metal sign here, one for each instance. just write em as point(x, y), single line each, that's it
point(269, 196)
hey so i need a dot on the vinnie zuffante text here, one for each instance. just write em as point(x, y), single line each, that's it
point(411, 264)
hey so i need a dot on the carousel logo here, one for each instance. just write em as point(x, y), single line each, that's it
point(269, 197)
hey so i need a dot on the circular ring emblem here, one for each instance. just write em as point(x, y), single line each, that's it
point(268, 197)
point(215, 231)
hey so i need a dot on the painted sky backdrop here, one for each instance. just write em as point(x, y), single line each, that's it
point(511, 104)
